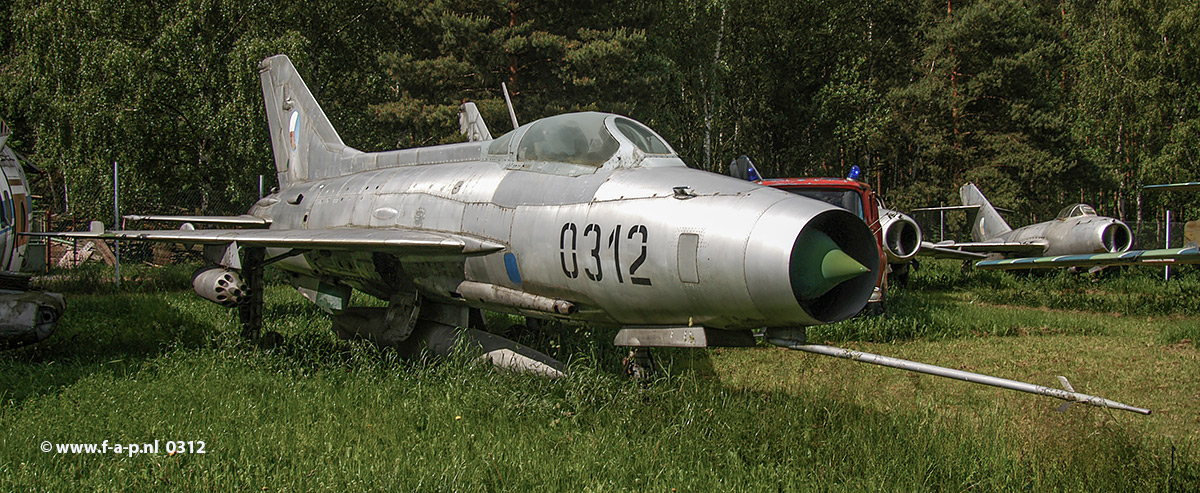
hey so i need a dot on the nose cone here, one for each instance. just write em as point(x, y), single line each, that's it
point(810, 263)
point(819, 265)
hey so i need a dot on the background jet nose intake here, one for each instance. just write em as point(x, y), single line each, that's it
point(1116, 238)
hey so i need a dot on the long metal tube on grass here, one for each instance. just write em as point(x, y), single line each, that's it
point(875, 359)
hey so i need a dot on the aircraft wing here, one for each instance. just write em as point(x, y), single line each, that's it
point(1004, 247)
point(946, 208)
point(396, 240)
point(1166, 256)
point(930, 249)
point(1193, 185)
point(242, 220)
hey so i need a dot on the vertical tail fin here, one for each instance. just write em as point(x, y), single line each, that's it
point(470, 123)
point(988, 223)
point(305, 143)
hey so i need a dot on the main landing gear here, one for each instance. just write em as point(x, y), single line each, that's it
point(250, 311)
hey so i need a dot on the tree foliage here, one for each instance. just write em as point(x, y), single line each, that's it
point(986, 104)
point(1040, 102)
point(552, 57)
point(1135, 97)
point(169, 91)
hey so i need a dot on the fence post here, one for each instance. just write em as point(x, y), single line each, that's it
point(941, 223)
point(117, 221)
point(1167, 244)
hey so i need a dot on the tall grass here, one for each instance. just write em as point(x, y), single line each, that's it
point(356, 417)
point(319, 413)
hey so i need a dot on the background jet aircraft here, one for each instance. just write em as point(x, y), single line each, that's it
point(1189, 254)
point(1076, 230)
point(14, 206)
point(1191, 186)
point(586, 217)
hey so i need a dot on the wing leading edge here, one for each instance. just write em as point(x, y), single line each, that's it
point(394, 240)
point(1192, 185)
point(1166, 256)
point(1007, 247)
point(934, 250)
point(242, 220)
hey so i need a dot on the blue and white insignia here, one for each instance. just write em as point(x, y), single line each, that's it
point(293, 129)
point(510, 265)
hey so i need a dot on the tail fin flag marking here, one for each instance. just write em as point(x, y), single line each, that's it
point(305, 144)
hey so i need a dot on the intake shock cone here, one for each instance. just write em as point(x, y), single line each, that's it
point(819, 265)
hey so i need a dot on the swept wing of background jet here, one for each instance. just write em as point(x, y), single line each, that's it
point(1188, 186)
point(1160, 257)
point(244, 220)
point(582, 217)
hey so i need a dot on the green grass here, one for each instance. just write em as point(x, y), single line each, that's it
point(155, 362)
point(943, 301)
point(1132, 291)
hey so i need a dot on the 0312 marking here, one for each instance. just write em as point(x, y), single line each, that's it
point(596, 249)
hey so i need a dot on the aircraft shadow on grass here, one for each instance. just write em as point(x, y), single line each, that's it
point(115, 334)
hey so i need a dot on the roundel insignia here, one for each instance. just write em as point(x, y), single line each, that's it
point(293, 129)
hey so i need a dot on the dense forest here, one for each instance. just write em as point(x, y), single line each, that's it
point(1042, 103)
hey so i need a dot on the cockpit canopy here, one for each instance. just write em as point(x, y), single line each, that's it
point(574, 142)
point(1076, 210)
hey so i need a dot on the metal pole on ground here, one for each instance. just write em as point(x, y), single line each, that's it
point(1067, 393)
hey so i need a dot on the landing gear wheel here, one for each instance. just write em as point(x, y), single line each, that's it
point(639, 365)
point(875, 308)
point(900, 272)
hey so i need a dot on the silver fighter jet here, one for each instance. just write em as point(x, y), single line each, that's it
point(587, 217)
point(14, 205)
point(1076, 230)
point(1188, 254)
point(583, 217)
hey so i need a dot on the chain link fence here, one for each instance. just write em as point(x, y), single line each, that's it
point(1148, 235)
point(73, 206)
